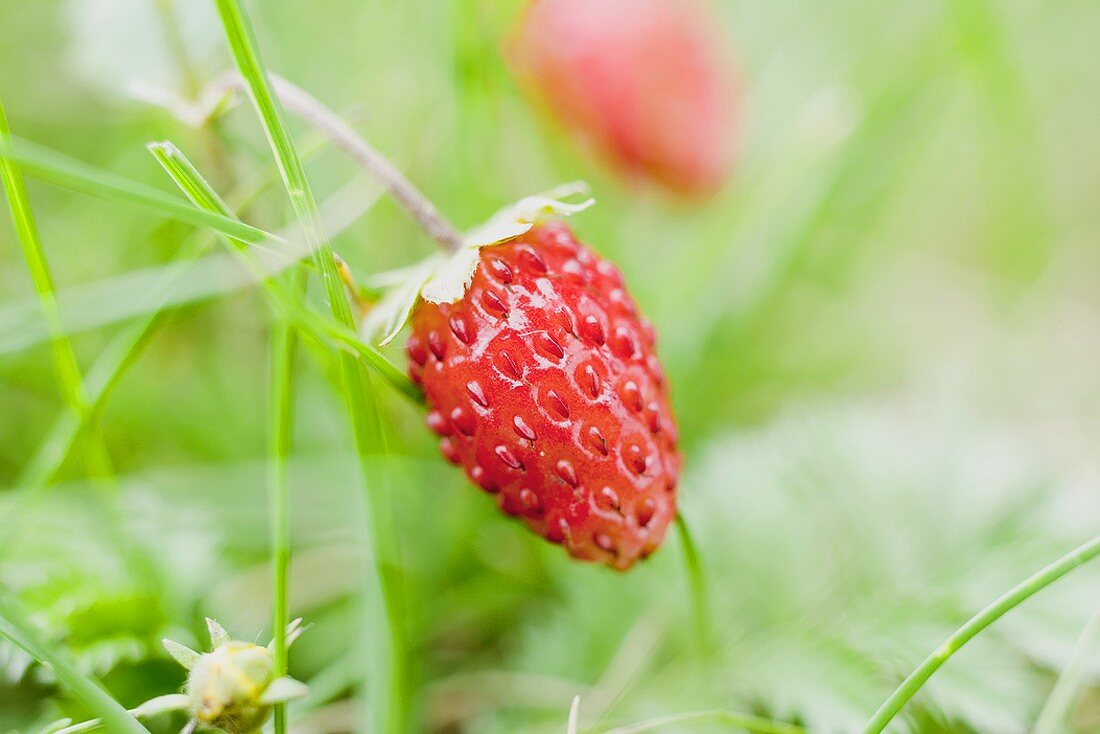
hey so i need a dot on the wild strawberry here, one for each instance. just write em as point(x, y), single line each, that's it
point(648, 83)
point(543, 382)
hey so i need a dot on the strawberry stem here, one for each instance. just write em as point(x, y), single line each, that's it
point(305, 105)
point(696, 583)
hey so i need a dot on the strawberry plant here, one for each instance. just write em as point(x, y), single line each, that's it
point(235, 343)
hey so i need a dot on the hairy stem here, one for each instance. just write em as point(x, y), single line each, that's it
point(302, 103)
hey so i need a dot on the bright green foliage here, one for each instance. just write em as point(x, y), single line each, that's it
point(881, 340)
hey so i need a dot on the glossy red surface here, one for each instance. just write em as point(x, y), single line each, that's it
point(544, 385)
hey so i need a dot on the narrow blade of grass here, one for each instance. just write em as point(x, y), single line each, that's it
point(283, 299)
point(17, 627)
point(284, 346)
point(1059, 704)
point(69, 375)
point(734, 719)
point(1013, 598)
point(144, 291)
point(386, 675)
point(60, 170)
point(68, 371)
point(113, 362)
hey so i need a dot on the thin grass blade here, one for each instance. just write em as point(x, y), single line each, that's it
point(1013, 598)
point(15, 625)
point(387, 667)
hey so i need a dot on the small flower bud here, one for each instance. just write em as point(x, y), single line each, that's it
point(233, 687)
point(226, 685)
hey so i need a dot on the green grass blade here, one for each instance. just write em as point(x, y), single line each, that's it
point(197, 189)
point(60, 170)
point(283, 299)
point(282, 419)
point(734, 719)
point(70, 377)
point(129, 294)
point(292, 314)
point(17, 627)
point(68, 370)
point(386, 676)
point(1057, 710)
point(1013, 598)
point(122, 352)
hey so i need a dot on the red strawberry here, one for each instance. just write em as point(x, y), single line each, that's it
point(648, 83)
point(543, 382)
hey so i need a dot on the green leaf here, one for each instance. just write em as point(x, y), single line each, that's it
point(17, 627)
point(387, 664)
point(152, 707)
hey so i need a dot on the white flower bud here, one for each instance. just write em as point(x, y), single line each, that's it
point(225, 687)
point(233, 687)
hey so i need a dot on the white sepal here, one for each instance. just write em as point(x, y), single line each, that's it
point(182, 654)
point(389, 315)
point(283, 689)
point(451, 279)
point(444, 279)
point(218, 635)
point(161, 705)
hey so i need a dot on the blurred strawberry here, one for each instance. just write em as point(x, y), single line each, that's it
point(649, 84)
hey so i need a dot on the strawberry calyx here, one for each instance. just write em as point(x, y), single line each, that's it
point(444, 278)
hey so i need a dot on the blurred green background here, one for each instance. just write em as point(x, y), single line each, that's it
point(883, 341)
